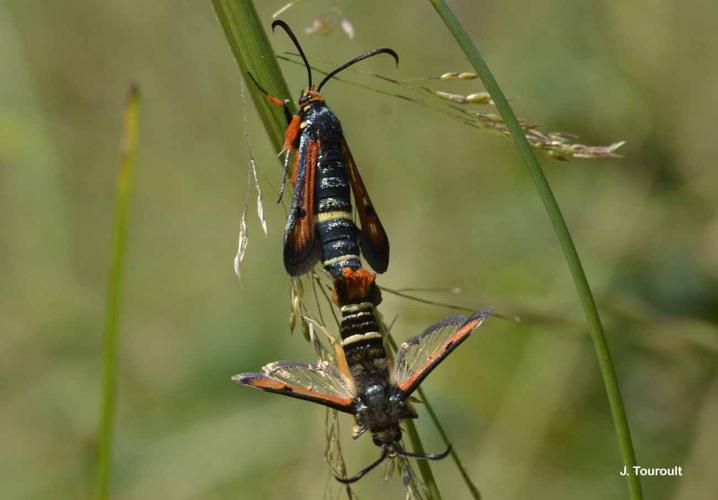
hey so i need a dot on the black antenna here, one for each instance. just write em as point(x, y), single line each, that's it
point(362, 473)
point(344, 66)
point(290, 33)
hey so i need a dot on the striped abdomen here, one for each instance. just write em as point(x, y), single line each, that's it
point(338, 235)
point(363, 345)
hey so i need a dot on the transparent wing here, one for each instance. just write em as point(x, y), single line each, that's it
point(418, 356)
point(319, 383)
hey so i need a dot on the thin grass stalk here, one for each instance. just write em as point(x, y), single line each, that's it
point(114, 292)
point(593, 319)
point(253, 53)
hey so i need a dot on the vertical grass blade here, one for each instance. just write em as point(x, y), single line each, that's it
point(598, 336)
point(114, 291)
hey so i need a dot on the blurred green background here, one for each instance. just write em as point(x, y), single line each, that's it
point(524, 404)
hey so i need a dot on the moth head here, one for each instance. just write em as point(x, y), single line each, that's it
point(388, 437)
point(309, 96)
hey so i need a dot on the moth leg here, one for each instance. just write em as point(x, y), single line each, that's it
point(284, 104)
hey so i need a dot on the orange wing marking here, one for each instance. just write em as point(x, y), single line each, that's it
point(320, 383)
point(418, 356)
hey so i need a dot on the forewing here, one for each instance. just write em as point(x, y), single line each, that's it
point(372, 238)
point(320, 383)
point(418, 356)
point(301, 249)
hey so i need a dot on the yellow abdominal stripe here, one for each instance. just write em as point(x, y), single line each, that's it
point(361, 336)
point(330, 216)
point(336, 214)
point(341, 258)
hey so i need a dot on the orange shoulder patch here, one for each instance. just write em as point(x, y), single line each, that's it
point(292, 132)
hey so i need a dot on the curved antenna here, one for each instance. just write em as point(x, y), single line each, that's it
point(367, 55)
point(363, 472)
point(291, 35)
point(423, 456)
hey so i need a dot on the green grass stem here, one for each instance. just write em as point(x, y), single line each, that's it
point(114, 293)
point(600, 344)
